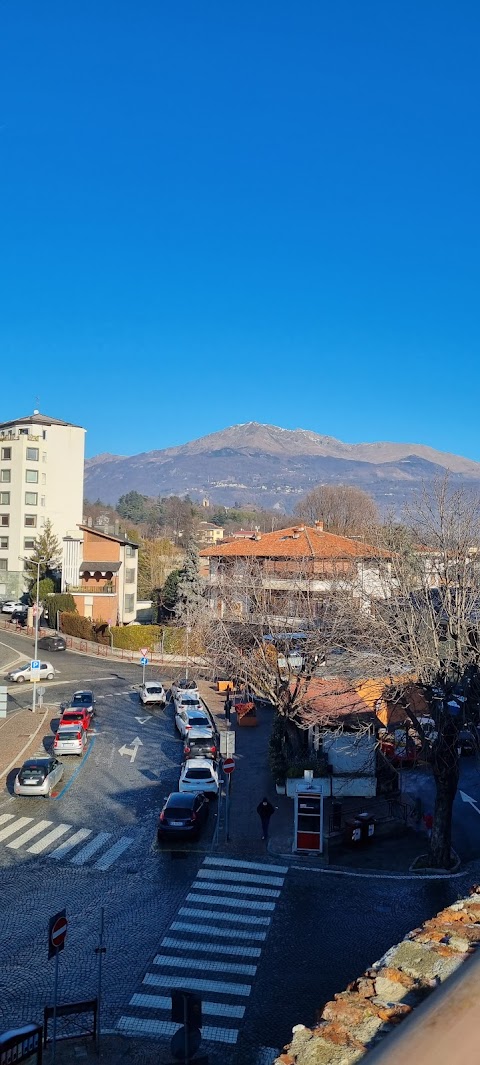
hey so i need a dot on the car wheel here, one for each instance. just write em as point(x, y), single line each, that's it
point(50, 676)
point(20, 680)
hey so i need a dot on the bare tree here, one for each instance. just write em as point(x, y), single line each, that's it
point(344, 509)
point(427, 629)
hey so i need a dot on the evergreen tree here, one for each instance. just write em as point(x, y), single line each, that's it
point(47, 551)
point(190, 592)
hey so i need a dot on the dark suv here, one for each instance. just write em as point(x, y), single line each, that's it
point(201, 747)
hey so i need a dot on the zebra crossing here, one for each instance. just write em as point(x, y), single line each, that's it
point(42, 837)
point(213, 946)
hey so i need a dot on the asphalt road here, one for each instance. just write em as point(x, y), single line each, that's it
point(265, 944)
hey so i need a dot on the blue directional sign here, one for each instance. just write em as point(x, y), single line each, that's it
point(143, 662)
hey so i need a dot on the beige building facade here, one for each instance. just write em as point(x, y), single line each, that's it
point(41, 478)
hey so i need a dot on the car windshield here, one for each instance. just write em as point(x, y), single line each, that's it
point(198, 774)
point(81, 699)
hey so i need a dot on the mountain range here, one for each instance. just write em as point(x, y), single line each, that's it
point(267, 466)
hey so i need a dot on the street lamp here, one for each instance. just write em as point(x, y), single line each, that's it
point(31, 562)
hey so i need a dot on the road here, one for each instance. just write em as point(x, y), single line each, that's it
point(265, 943)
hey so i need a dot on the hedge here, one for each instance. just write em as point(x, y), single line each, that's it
point(133, 637)
point(75, 625)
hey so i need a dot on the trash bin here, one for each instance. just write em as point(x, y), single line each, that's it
point(353, 832)
point(367, 824)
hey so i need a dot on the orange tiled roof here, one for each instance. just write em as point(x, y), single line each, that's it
point(301, 541)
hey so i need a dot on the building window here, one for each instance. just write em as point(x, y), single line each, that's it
point(6, 454)
point(4, 543)
point(42, 501)
point(4, 519)
point(28, 544)
point(3, 564)
point(31, 521)
point(31, 499)
point(32, 454)
point(44, 478)
point(44, 434)
point(31, 476)
point(129, 604)
point(5, 476)
point(5, 499)
point(23, 432)
point(44, 456)
point(129, 576)
point(130, 551)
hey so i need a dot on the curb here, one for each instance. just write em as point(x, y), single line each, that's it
point(373, 874)
point(5, 772)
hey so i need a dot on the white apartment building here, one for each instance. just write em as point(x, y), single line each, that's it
point(41, 477)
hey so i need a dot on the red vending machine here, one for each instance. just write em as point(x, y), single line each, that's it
point(308, 821)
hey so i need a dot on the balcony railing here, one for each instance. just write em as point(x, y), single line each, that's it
point(92, 589)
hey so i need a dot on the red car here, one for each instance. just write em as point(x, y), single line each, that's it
point(76, 716)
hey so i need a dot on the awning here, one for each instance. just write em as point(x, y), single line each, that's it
point(100, 567)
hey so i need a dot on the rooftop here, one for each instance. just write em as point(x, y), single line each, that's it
point(107, 536)
point(37, 419)
point(298, 541)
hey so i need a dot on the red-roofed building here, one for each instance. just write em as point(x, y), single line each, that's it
point(300, 560)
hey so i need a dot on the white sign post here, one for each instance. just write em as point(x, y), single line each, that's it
point(3, 700)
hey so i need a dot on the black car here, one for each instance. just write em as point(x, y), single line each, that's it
point(53, 643)
point(183, 815)
point(84, 698)
point(201, 747)
point(19, 617)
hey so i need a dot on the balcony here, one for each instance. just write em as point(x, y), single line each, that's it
point(92, 589)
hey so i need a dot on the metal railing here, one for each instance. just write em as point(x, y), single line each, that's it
point(92, 589)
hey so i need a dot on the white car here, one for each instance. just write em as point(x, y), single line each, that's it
point(152, 693)
point(70, 739)
point(199, 774)
point(8, 608)
point(19, 676)
point(186, 699)
point(187, 718)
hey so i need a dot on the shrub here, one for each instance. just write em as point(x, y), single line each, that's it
point(134, 637)
point(319, 766)
point(59, 602)
point(75, 625)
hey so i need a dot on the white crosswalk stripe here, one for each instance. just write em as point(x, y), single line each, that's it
point(216, 950)
point(40, 836)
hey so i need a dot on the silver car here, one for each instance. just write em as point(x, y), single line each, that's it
point(38, 776)
point(70, 739)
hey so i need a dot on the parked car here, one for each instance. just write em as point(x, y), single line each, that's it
point(85, 698)
point(187, 718)
point(76, 716)
point(185, 684)
point(70, 739)
point(10, 606)
point(18, 676)
point(38, 776)
point(200, 746)
point(52, 643)
point(152, 693)
point(184, 814)
point(199, 773)
point(19, 617)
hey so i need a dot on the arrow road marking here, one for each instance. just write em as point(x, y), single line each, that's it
point(467, 798)
point(132, 751)
point(143, 720)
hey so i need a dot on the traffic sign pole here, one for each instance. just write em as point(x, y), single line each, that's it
point(55, 1000)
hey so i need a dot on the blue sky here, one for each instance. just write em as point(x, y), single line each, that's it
point(214, 213)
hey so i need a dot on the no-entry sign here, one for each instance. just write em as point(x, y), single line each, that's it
point(57, 930)
point(228, 765)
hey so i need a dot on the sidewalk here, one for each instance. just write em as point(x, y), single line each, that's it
point(20, 734)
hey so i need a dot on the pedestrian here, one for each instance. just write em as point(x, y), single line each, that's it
point(227, 708)
point(428, 822)
point(265, 811)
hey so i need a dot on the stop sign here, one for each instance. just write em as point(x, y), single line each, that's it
point(228, 765)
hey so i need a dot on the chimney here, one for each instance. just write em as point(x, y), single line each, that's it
point(319, 526)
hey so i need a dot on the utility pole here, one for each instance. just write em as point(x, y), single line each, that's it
point(37, 612)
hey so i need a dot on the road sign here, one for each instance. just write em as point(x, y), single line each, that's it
point(35, 667)
point(144, 651)
point(228, 765)
point(41, 691)
point(187, 1008)
point(57, 930)
point(144, 661)
point(227, 743)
